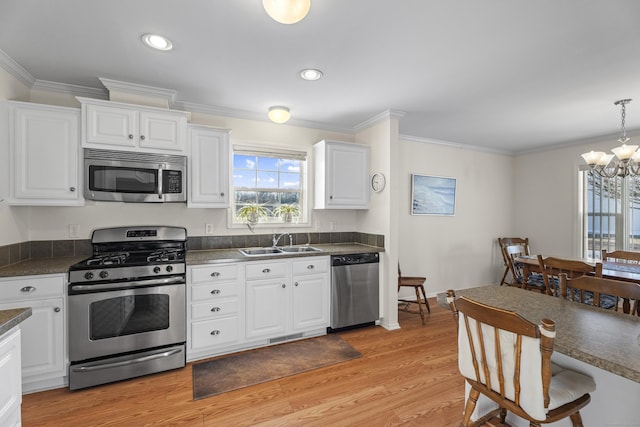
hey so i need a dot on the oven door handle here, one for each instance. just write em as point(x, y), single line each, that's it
point(127, 362)
point(128, 285)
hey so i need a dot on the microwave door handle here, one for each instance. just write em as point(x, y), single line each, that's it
point(160, 179)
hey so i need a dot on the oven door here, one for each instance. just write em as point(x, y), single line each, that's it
point(125, 320)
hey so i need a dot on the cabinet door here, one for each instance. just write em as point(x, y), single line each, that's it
point(43, 339)
point(45, 147)
point(267, 308)
point(347, 176)
point(111, 125)
point(164, 131)
point(310, 302)
point(208, 168)
point(11, 390)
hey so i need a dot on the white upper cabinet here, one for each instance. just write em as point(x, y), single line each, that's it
point(341, 175)
point(208, 167)
point(119, 126)
point(44, 152)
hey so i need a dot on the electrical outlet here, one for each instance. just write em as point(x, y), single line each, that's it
point(208, 228)
point(74, 230)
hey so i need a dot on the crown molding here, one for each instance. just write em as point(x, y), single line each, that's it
point(138, 89)
point(74, 90)
point(385, 115)
point(16, 70)
point(455, 145)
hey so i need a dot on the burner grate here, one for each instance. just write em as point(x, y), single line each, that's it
point(109, 259)
point(165, 255)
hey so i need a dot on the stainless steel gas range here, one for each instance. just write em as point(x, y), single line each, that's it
point(127, 305)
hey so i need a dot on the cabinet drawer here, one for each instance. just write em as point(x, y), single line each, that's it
point(213, 291)
point(31, 287)
point(213, 273)
point(213, 309)
point(266, 270)
point(214, 332)
point(311, 265)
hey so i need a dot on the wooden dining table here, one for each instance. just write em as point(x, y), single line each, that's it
point(601, 343)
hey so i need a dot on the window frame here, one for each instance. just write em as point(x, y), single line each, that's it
point(273, 152)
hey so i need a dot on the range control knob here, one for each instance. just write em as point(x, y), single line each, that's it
point(156, 269)
point(104, 274)
point(169, 268)
point(88, 275)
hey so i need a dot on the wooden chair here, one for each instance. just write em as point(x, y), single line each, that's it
point(508, 359)
point(551, 267)
point(626, 257)
point(598, 288)
point(517, 246)
point(417, 283)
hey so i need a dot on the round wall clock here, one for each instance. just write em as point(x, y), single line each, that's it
point(378, 181)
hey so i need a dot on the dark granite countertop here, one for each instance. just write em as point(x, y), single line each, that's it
point(13, 317)
point(601, 338)
point(194, 257)
point(214, 256)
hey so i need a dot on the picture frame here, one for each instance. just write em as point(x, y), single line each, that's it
point(433, 195)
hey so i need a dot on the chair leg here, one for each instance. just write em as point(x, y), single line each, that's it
point(503, 415)
point(504, 276)
point(426, 301)
point(576, 419)
point(419, 304)
point(470, 406)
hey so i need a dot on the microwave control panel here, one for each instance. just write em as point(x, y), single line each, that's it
point(172, 181)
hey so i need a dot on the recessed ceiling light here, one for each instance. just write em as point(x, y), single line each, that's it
point(310, 74)
point(157, 42)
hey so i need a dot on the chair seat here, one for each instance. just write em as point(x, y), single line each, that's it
point(413, 281)
point(567, 386)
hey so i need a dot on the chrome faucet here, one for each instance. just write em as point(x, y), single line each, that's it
point(275, 239)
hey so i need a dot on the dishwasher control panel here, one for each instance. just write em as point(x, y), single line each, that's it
point(352, 259)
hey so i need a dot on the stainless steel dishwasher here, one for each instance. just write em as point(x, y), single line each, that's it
point(355, 295)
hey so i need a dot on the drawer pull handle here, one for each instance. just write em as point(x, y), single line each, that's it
point(215, 332)
point(28, 289)
point(310, 267)
point(215, 274)
point(266, 270)
point(215, 309)
point(215, 292)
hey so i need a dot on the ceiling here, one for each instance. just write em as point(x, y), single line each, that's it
point(504, 75)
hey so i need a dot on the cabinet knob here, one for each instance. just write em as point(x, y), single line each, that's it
point(215, 332)
point(215, 292)
point(72, 189)
point(310, 267)
point(295, 284)
point(57, 309)
point(142, 137)
point(284, 286)
point(215, 274)
point(222, 194)
point(215, 309)
point(28, 289)
point(266, 270)
point(330, 197)
point(130, 136)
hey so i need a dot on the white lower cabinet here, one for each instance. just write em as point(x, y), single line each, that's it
point(233, 307)
point(11, 390)
point(44, 348)
point(214, 309)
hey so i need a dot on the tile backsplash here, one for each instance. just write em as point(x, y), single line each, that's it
point(11, 254)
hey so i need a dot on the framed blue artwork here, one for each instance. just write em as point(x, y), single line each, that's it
point(433, 195)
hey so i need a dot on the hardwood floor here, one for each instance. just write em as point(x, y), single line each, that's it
point(406, 377)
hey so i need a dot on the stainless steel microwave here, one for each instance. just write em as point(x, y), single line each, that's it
point(120, 176)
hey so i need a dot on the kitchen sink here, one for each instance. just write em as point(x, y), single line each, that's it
point(260, 251)
point(299, 249)
point(278, 251)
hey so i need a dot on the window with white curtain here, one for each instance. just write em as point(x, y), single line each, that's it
point(611, 214)
point(270, 178)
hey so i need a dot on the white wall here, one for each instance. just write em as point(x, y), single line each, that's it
point(457, 251)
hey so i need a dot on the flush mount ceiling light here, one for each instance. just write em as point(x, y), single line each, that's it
point(156, 41)
point(287, 11)
point(625, 159)
point(279, 114)
point(310, 74)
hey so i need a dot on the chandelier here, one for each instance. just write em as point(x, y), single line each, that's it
point(625, 159)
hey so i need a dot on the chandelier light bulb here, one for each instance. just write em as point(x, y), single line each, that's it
point(287, 11)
